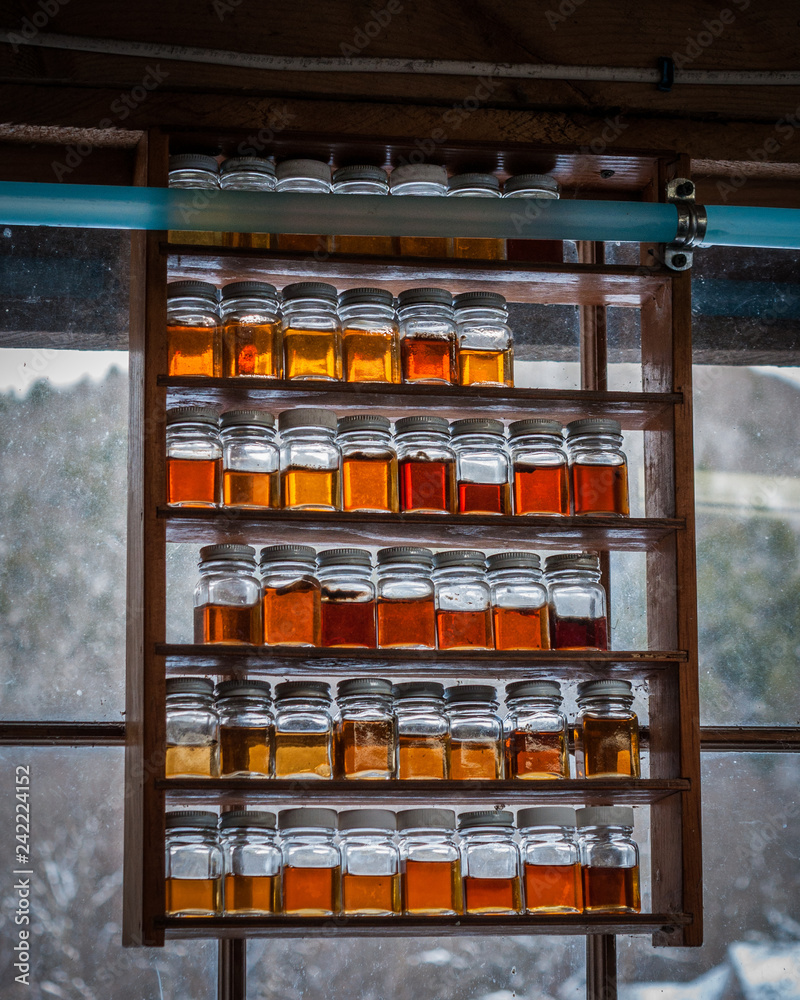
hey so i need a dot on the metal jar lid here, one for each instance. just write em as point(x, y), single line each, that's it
point(307, 416)
point(513, 560)
point(405, 554)
point(470, 692)
point(611, 688)
point(533, 689)
point(314, 170)
point(459, 557)
point(190, 685)
point(191, 817)
point(227, 550)
point(535, 425)
point(365, 296)
point(486, 817)
point(192, 415)
point(479, 300)
point(255, 164)
point(604, 816)
point(278, 553)
point(364, 422)
point(424, 296)
point(361, 172)
point(249, 289)
point(593, 425)
point(572, 560)
point(536, 185)
point(310, 290)
point(426, 819)
point(192, 288)
point(422, 422)
point(418, 689)
point(193, 161)
point(477, 425)
point(367, 819)
point(302, 689)
point(244, 689)
point(246, 418)
point(239, 818)
point(324, 819)
point(418, 173)
point(354, 686)
point(546, 816)
point(487, 182)
point(344, 557)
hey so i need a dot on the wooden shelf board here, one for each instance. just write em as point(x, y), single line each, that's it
point(634, 410)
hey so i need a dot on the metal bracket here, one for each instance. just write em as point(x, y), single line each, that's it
point(692, 222)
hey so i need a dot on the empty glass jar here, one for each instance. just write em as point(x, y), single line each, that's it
point(192, 734)
point(250, 477)
point(227, 598)
point(251, 330)
point(193, 864)
point(194, 340)
point(485, 340)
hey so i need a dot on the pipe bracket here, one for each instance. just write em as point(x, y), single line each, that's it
point(691, 228)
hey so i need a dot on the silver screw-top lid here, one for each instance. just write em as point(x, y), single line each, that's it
point(363, 685)
point(191, 817)
point(192, 415)
point(227, 550)
point(360, 172)
point(302, 689)
point(365, 296)
point(244, 689)
point(513, 560)
point(546, 816)
point(479, 300)
point(593, 425)
point(255, 164)
point(535, 425)
point(424, 296)
point(459, 557)
point(344, 557)
point(238, 818)
point(488, 182)
point(415, 424)
point(418, 173)
point(418, 689)
point(604, 816)
point(193, 161)
point(190, 685)
point(310, 290)
point(426, 819)
point(572, 560)
point(477, 425)
point(486, 817)
point(250, 290)
point(364, 422)
point(191, 288)
point(470, 692)
point(535, 185)
point(246, 418)
point(533, 689)
point(278, 553)
point(367, 819)
point(405, 554)
point(609, 687)
point(314, 170)
point(324, 819)
point(307, 416)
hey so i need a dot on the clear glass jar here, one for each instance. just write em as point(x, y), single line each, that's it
point(227, 598)
point(427, 465)
point(490, 868)
point(535, 731)
point(406, 607)
point(194, 338)
point(200, 173)
point(540, 466)
point(366, 742)
point(428, 336)
point(430, 863)
point(463, 600)
point(370, 335)
point(598, 466)
point(303, 177)
point(311, 874)
point(303, 730)
point(291, 608)
point(476, 733)
point(421, 180)
point(485, 340)
point(476, 186)
point(194, 457)
point(252, 863)
point(609, 860)
point(247, 173)
point(309, 460)
point(192, 734)
point(537, 190)
point(551, 860)
point(606, 731)
point(251, 330)
point(246, 729)
point(519, 601)
point(362, 180)
point(312, 334)
point(482, 466)
point(250, 476)
point(348, 598)
point(370, 863)
point(423, 730)
point(577, 601)
point(369, 464)
point(193, 864)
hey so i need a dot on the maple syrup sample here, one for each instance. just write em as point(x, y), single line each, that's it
point(192, 729)
point(249, 459)
point(193, 482)
point(464, 629)
point(252, 862)
point(303, 177)
point(194, 343)
point(428, 335)
point(610, 860)
point(362, 179)
point(348, 598)
point(430, 862)
point(370, 863)
point(309, 892)
point(370, 338)
point(577, 601)
point(579, 633)
point(606, 731)
point(227, 598)
point(365, 731)
point(184, 761)
point(463, 600)
point(309, 460)
point(427, 487)
point(291, 608)
point(421, 180)
point(303, 730)
point(247, 728)
point(599, 467)
point(199, 173)
point(492, 895)
point(611, 890)
point(476, 733)
point(194, 457)
point(476, 186)
point(535, 731)
point(310, 882)
point(370, 895)
point(252, 895)
point(485, 341)
point(193, 897)
point(227, 623)
point(423, 730)
point(406, 611)
point(245, 751)
point(540, 467)
point(521, 628)
point(193, 864)
point(553, 888)
point(247, 173)
point(251, 330)
point(490, 864)
point(312, 336)
point(369, 464)
point(551, 859)
point(482, 466)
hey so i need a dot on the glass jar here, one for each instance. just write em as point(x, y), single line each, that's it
point(606, 731)
point(309, 459)
point(291, 596)
point(598, 466)
point(535, 731)
point(362, 180)
point(609, 860)
point(463, 600)
point(196, 172)
point(421, 180)
point(348, 598)
point(193, 864)
point(246, 729)
point(551, 860)
point(538, 190)
point(476, 733)
point(312, 335)
point(428, 336)
point(370, 863)
point(310, 879)
point(252, 863)
point(490, 868)
point(577, 601)
point(423, 730)
point(366, 744)
point(429, 862)
point(303, 177)
point(247, 173)
point(227, 598)
point(406, 610)
point(370, 337)
point(251, 330)
point(192, 735)
point(540, 467)
point(194, 338)
point(194, 457)
point(250, 476)
point(369, 464)
point(303, 730)
point(427, 465)
point(485, 340)
point(519, 601)
point(476, 186)
point(482, 466)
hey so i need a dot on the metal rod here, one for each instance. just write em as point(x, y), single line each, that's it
point(73, 734)
point(601, 967)
point(232, 969)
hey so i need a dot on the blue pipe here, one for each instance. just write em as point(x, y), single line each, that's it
point(741, 226)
